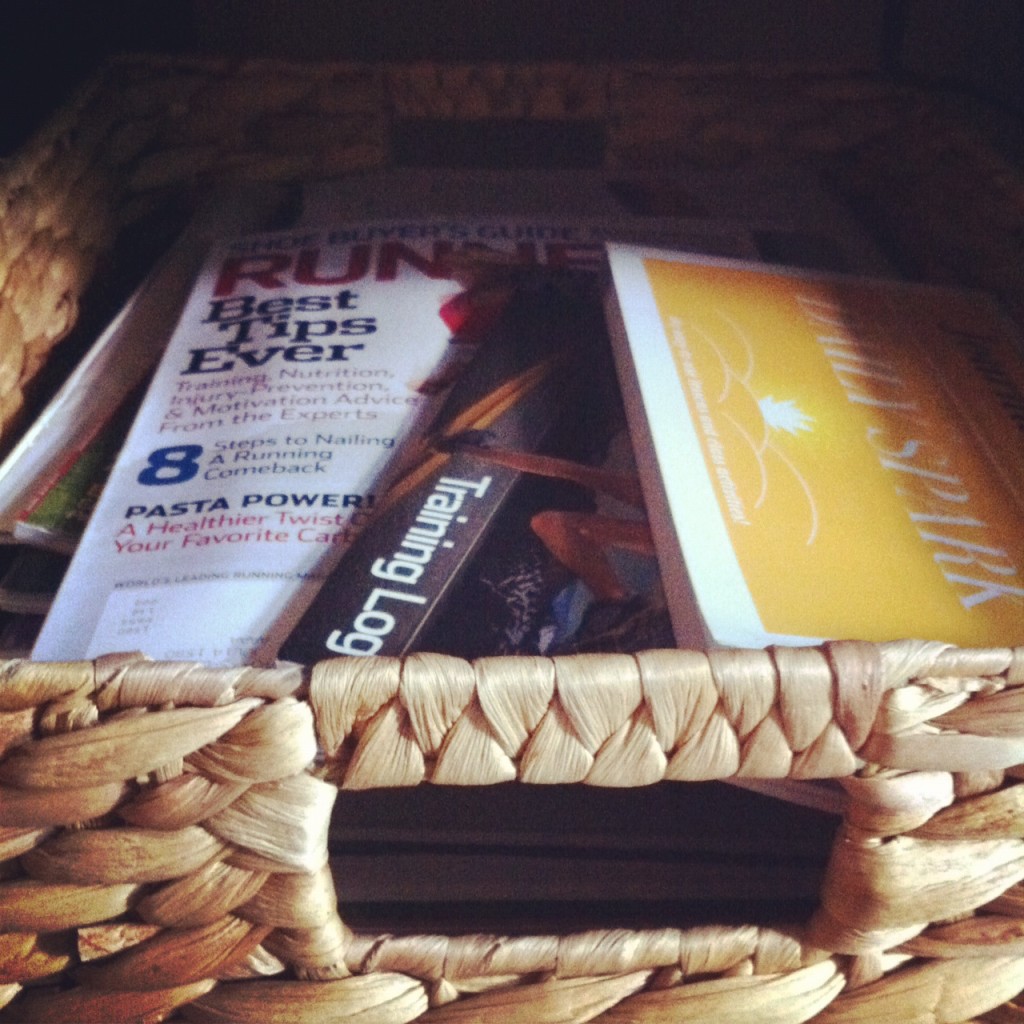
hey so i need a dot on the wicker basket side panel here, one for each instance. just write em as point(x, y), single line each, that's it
point(198, 882)
point(151, 851)
point(56, 218)
point(928, 185)
point(148, 136)
point(934, 831)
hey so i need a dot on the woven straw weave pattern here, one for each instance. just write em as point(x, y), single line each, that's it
point(164, 834)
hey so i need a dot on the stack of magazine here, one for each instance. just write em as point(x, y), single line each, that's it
point(540, 414)
point(333, 372)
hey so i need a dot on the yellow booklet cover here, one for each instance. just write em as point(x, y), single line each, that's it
point(824, 456)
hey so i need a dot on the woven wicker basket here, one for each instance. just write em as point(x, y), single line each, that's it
point(164, 826)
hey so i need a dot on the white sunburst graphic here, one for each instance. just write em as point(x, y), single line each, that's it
point(785, 415)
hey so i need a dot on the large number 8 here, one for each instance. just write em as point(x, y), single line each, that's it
point(172, 465)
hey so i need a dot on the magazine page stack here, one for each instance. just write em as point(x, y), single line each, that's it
point(302, 375)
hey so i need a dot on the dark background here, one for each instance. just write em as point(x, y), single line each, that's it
point(970, 47)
